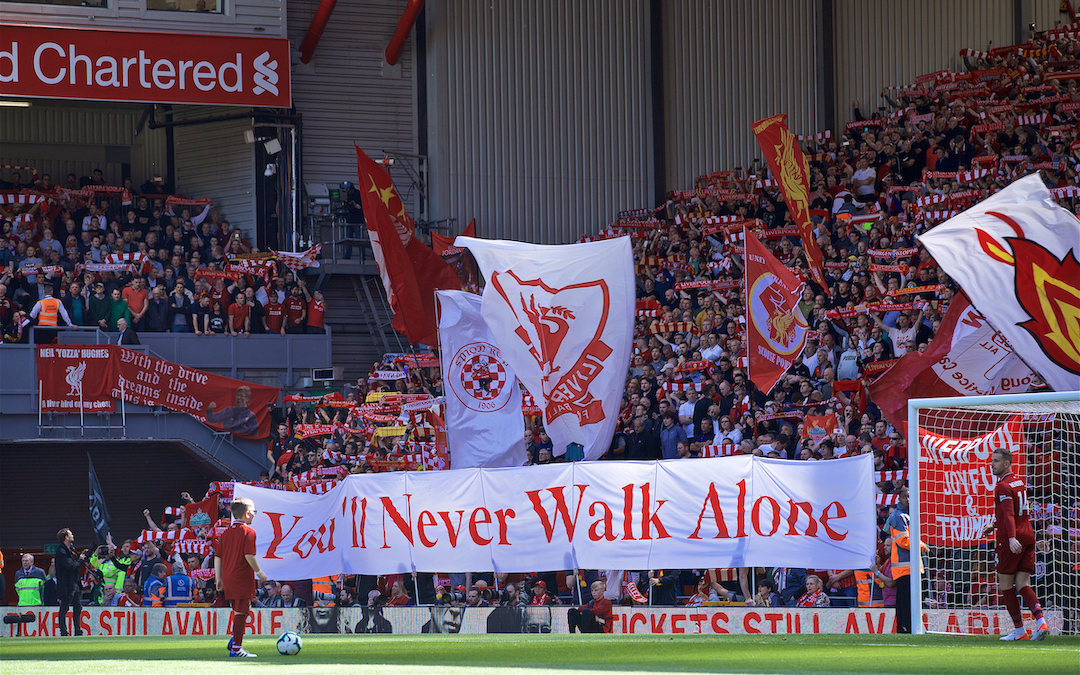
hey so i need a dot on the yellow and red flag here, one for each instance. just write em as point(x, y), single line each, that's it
point(775, 328)
point(411, 272)
point(792, 173)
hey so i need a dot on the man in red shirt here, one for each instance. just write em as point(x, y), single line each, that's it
point(1015, 547)
point(233, 567)
point(138, 299)
point(275, 315)
point(595, 617)
point(239, 316)
point(295, 312)
point(316, 311)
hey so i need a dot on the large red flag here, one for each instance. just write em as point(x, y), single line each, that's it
point(459, 258)
point(411, 272)
point(775, 328)
point(789, 167)
point(967, 357)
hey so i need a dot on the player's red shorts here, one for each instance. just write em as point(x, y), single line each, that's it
point(241, 606)
point(1011, 563)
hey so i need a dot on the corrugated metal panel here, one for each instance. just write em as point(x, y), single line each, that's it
point(343, 95)
point(1046, 14)
point(264, 18)
point(59, 139)
point(213, 160)
point(881, 44)
point(539, 111)
point(728, 64)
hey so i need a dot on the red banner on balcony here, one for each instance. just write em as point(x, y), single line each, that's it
point(133, 66)
point(94, 377)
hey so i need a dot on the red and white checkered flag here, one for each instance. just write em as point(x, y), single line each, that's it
point(299, 261)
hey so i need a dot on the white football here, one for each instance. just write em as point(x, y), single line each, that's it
point(289, 643)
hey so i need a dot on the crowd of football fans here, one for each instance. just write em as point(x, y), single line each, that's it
point(162, 262)
point(938, 146)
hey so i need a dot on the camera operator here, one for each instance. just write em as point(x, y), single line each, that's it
point(69, 580)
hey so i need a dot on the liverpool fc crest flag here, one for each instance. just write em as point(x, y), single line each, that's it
point(563, 319)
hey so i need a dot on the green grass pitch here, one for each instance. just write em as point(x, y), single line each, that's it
point(525, 655)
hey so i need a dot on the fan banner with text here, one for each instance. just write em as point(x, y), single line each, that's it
point(99, 375)
point(677, 514)
point(776, 327)
point(957, 485)
point(563, 318)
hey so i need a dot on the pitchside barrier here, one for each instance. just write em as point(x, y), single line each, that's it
point(133, 621)
point(951, 501)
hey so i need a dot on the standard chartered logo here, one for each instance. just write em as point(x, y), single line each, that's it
point(266, 76)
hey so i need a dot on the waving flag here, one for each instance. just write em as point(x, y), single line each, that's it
point(789, 167)
point(967, 357)
point(484, 424)
point(775, 328)
point(1014, 256)
point(410, 271)
point(299, 261)
point(563, 317)
point(99, 513)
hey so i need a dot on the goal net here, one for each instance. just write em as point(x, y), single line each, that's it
point(951, 501)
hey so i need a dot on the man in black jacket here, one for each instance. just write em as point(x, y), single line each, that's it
point(69, 580)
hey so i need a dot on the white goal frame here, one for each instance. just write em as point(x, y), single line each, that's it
point(914, 406)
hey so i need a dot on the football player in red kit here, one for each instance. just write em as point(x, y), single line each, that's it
point(1015, 548)
point(234, 566)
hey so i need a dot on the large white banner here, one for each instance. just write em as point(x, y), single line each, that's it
point(1014, 255)
point(563, 316)
point(484, 424)
point(724, 512)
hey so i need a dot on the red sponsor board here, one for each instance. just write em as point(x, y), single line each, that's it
point(110, 65)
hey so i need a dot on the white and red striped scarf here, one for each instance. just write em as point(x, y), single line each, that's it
point(725, 450)
point(300, 261)
point(890, 475)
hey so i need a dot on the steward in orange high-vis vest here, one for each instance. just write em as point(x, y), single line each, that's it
point(868, 589)
point(48, 309)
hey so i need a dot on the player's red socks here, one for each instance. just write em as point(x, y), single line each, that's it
point(1012, 603)
point(1032, 601)
point(240, 622)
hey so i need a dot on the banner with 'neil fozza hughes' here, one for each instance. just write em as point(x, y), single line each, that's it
point(725, 512)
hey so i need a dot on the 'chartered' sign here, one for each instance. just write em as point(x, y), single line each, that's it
point(105, 65)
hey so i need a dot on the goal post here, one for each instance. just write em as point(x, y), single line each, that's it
point(951, 499)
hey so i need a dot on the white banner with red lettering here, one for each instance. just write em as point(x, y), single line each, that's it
point(724, 620)
point(956, 484)
point(563, 317)
point(725, 512)
point(126, 621)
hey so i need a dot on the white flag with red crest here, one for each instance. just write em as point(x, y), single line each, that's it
point(1014, 256)
point(563, 319)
